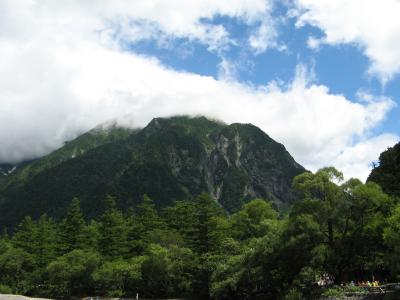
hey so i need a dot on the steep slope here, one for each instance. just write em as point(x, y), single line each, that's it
point(170, 159)
point(387, 173)
point(100, 135)
point(6, 170)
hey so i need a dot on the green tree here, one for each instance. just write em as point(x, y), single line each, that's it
point(205, 239)
point(252, 221)
point(340, 225)
point(38, 239)
point(25, 235)
point(167, 272)
point(322, 188)
point(119, 278)
point(141, 222)
point(91, 236)
point(113, 231)
point(15, 266)
point(392, 240)
point(251, 271)
point(72, 228)
point(148, 216)
point(207, 209)
point(5, 243)
point(156, 271)
point(361, 233)
point(46, 240)
point(71, 274)
point(180, 217)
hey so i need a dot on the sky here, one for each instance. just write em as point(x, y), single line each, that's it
point(321, 77)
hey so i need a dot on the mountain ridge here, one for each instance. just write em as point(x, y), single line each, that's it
point(170, 159)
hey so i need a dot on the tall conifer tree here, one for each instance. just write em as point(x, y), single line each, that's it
point(72, 228)
point(113, 231)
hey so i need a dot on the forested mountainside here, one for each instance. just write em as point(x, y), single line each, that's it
point(170, 159)
point(100, 135)
point(387, 172)
point(6, 169)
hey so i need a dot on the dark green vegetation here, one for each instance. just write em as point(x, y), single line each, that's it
point(170, 159)
point(387, 172)
point(192, 247)
point(179, 241)
point(102, 134)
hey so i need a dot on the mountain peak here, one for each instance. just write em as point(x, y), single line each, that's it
point(170, 159)
point(185, 121)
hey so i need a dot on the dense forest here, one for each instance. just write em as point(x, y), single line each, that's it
point(349, 230)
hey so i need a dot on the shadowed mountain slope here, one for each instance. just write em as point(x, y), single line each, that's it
point(170, 159)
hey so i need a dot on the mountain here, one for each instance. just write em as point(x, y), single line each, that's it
point(100, 135)
point(387, 172)
point(170, 159)
point(6, 169)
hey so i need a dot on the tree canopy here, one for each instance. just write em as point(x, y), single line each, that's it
point(346, 229)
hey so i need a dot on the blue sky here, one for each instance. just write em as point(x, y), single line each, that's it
point(321, 77)
point(342, 68)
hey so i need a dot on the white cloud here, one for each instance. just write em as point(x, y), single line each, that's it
point(58, 79)
point(313, 43)
point(227, 70)
point(265, 37)
point(129, 21)
point(356, 161)
point(372, 25)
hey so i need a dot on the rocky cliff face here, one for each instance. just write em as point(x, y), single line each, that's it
point(170, 159)
point(244, 163)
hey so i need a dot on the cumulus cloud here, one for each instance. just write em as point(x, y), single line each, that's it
point(124, 21)
point(357, 160)
point(59, 78)
point(372, 25)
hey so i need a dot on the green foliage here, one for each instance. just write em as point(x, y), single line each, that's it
point(113, 231)
point(119, 278)
point(15, 266)
point(341, 224)
point(253, 220)
point(71, 274)
point(72, 228)
point(38, 238)
point(205, 223)
point(25, 236)
point(46, 241)
point(91, 236)
point(167, 272)
point(148, 219)
point(340, 291)
point(180, 217)
point(333, 292)
point(192, 248)
point(294, 294)
point(387, 172)
point(4, 289)
point(392, 239)
point(94, 138)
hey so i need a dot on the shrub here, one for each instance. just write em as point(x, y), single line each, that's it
point(5, 289)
